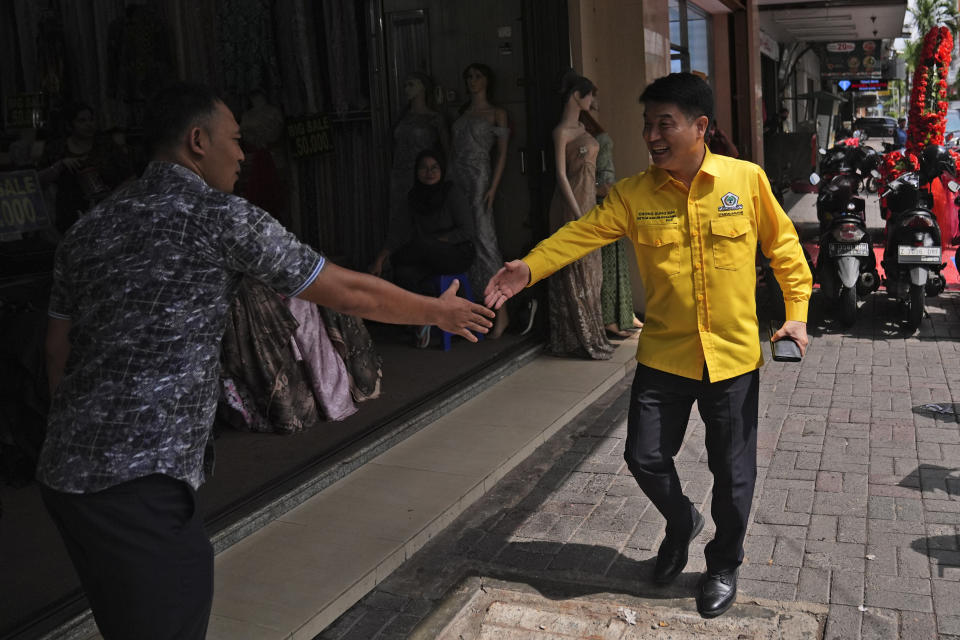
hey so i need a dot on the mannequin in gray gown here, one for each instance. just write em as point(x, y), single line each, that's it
point(481, 128)
point(420, 127)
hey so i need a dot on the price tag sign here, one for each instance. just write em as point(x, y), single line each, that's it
point(310, 136)
point(21, 203)
point(25, 110)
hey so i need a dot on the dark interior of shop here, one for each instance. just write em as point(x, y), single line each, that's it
point(316, 63)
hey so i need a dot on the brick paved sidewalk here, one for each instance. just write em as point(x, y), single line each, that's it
point(857, 504)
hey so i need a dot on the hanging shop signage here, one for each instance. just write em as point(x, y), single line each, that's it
point(768, 46)
point(853, 60)
point(310, 136)
point(865, 84)
point(21, 203)
point(25, 111)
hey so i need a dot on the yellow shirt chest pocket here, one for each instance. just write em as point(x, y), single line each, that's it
point(734, 245)
point(659, 248)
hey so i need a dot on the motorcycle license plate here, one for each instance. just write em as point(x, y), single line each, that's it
point(839, 250)
point(918, 254)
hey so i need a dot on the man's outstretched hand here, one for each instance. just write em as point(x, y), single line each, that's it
point(506, 283)
point(462, 317)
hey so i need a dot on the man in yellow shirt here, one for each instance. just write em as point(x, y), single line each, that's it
point(695, 219)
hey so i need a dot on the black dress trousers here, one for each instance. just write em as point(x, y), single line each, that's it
point(142, 555)
point(660, 405)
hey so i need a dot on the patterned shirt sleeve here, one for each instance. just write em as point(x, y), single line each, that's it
point(61, 300)
point(256, 244)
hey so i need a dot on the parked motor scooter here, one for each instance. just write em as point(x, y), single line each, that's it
point(912, 258)
point(846, 265)
point(852, 159)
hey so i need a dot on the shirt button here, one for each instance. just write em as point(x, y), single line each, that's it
point(694, 233)
point(733, 233)
point(659, 243)
point(697, 266)
point(700, 297)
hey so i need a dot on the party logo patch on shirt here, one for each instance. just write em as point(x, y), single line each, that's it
point(730, 204)
point(664, 216)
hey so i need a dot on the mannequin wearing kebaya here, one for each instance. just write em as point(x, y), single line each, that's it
point(576, 321)
point(480, 130)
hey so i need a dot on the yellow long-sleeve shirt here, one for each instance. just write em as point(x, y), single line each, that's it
point(696, 250)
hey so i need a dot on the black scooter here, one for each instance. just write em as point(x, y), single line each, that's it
point(912, 259)
point(846, 265)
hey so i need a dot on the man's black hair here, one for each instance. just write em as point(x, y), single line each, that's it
point(692, 95)
point(174, 110)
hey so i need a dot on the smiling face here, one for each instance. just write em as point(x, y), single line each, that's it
point(220, 164)
point(674, 140)
point(476, 81)
point(429, 171)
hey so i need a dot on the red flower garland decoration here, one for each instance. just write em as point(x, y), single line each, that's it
point(928, 99)
point(928, 105)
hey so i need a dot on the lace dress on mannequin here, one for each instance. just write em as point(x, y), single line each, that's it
point(473, 139)
point(576, 324)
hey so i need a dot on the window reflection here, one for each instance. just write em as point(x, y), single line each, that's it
point(690, 41)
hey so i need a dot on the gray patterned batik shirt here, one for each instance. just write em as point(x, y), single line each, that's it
point(146, 280)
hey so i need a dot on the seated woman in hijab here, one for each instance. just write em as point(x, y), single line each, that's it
point(433, 236)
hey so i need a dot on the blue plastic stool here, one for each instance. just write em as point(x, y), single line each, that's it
point(442, 283)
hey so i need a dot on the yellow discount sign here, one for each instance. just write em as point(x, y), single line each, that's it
point(21, 203)
point(310, 136)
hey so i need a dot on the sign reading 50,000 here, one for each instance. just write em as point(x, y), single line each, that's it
point(21, 203)
point(310, 136)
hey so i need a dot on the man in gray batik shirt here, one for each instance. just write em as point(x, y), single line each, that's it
point(142, 288)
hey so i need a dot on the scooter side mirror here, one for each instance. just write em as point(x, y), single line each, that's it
point(875, 174)
point(814, 178)
point(822, 151)
point(953, 186)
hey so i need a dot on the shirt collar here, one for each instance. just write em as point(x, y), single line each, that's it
point(164, 169)
point(710, 166)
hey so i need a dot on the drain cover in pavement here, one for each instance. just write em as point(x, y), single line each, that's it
point(486, 609)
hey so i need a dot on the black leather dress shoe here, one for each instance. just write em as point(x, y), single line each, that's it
point(716, 592)
point(672, 555)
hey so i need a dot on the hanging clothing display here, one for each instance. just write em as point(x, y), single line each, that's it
point(246, 49)
point(325, 369)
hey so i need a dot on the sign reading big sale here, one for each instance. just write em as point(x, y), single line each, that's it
point(21, 203)
point(310, 136)
point(852, 60)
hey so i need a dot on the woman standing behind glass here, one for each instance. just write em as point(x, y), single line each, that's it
point(616, 298)
point(420, 127)
point(480, 125)
point(433, 237)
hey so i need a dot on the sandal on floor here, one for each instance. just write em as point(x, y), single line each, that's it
point(617, 334)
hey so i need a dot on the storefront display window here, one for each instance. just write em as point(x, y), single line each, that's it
point(690, 42)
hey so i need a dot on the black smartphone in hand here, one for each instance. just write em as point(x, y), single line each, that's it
point(786, 350)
